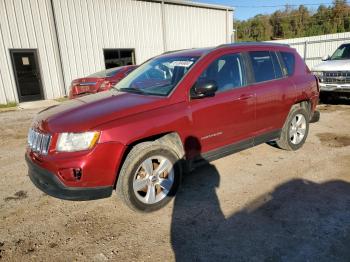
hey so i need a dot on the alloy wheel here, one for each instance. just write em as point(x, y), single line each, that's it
point(297, 129)
point(153, 179)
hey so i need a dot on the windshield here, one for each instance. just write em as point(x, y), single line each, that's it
point(343, 52)
point(106, 73)
point(158, 76)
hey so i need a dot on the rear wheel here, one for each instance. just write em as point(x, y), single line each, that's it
point(295, 130)
point(149, 177)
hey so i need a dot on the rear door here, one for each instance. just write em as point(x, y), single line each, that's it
point(228, 117)
point(274, 92)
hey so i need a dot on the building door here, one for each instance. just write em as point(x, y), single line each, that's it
point(118, 57)
point(27, 75)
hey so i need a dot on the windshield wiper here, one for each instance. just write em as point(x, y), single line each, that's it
point(131, 90)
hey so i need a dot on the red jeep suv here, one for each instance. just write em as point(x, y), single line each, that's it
point(172, 112)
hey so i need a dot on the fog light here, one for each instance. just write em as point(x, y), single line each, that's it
point(71, 174)
point(77, 173)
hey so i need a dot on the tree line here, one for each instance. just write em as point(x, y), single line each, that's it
point(295, 22)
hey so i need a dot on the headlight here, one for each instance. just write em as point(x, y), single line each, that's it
point(318, 73)
point(71, 142)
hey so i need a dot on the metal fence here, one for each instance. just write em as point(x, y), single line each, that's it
point(313, 48)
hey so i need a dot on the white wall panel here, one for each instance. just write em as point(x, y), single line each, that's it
point(70, 35)
point(4, 76)
point(5, 62)
point(317, 46)
point(192, 27)
point(86, 27)
point(28, 24)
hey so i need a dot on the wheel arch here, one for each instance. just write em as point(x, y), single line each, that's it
point(171, 139)
point(306, 104)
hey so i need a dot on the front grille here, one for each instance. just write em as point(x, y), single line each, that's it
point(340, 77)
point(39, 142)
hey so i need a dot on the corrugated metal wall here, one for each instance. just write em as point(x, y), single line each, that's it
point(313, 48)
point(28, 24)
point(70, 35)
point(86, 27)
point(188, 27)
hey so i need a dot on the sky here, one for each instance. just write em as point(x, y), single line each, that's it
point(245, 9)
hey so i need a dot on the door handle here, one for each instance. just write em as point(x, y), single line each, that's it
point(245, 96)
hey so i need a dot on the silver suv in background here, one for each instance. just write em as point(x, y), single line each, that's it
point(334, 73)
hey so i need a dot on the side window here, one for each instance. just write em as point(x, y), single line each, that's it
point(227, 71)
point(289, 61)
point(262, 65)
point(276, 65)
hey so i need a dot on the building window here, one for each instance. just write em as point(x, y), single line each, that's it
point(118, 57)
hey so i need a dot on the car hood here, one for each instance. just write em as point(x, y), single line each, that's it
point(333, 65)
point(86, 113)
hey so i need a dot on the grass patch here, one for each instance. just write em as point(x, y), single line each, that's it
point(8, 105)
point(61, 99)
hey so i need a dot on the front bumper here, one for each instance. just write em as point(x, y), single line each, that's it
point(344, 88)
point(51, 185)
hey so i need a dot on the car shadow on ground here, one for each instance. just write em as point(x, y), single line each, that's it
point(299, 221)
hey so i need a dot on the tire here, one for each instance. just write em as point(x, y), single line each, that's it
point(139, 184)
point(315, 117)
point(291, 138)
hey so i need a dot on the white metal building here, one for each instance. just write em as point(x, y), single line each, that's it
point(45, 44)
point(313, 48)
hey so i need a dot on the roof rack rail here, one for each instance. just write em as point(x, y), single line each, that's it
point(251, 43)
point(174, 51)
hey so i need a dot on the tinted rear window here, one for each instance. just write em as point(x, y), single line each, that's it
point(262, 66)
point(289, 61)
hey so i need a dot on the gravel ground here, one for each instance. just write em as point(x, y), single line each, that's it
point(262, 204)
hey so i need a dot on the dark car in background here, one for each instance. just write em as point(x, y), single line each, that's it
point(98, 82)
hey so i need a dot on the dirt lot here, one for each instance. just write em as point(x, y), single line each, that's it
point(262, 204)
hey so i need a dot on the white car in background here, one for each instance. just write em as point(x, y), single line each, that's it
point(334, 73)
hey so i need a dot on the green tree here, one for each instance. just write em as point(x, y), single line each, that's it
point(296, 22)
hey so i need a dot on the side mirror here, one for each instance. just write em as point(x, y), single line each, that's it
point(325, 58)
point(204, 89)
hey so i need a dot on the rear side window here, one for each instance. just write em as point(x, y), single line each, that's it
point(289, 61)
point(262, 66)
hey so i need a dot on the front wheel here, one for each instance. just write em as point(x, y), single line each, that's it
point(295, 130)
point(149, 177)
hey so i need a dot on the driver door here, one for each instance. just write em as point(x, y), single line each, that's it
point(228, 117)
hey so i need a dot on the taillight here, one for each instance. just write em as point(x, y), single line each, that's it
point(73, 85)
point(106, 85)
